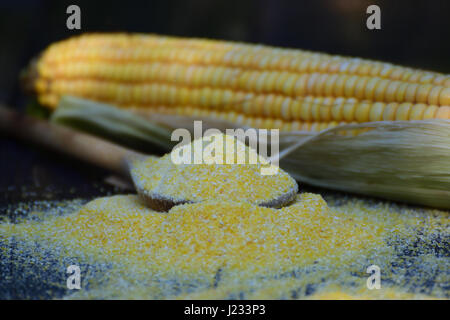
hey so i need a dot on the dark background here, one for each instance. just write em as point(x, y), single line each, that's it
point(414, 33)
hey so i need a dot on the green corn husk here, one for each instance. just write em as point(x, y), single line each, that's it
point(397, 160)
point(112, 123)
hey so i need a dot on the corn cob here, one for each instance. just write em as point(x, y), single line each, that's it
point(248, 84)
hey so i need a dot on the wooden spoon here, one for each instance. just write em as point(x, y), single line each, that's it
point(101, 153)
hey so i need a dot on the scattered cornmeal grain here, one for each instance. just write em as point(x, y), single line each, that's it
point(201, 238)
point(364, 294)
point(215, 167)
point(230, 250)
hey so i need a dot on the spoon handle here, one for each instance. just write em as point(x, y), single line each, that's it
point(83, 146)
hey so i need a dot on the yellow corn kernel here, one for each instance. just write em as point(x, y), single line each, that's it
point(376, 111)
point(422, 93)
point(275, 108)
point(325, 110)
point(315, 110)
point(305, 110)
point(362, 112)
point(329, 85)
point(360, 88)
point(389, 111)
point(380, 90)
point(430, 112)
point(268, 105)
point(410, 93)
point(391, 91)
point(288, 85)
point(337, 109)
point(401, 91)
point(443, 113)
point(348, 110)
point(286, 109)
point(370, 88)
point(444, 97)
point(350, 86)
point(339, 86)
point(433, 96)
point(295, 109)
point(417, 111)
point(402, 111)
